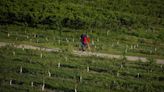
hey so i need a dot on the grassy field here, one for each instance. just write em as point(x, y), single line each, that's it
point(29, 70)
point(68, 39)
point(124, 27)
point(134, 28)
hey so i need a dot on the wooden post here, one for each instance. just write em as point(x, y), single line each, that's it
point(10, 82)
point(8, 35)
point(112, 45)
point(23, 48)
point(13, 53)
point(43, 86)
point(41, 55)
point(75, 90)
point(95, 46)
point(59, 65)
point(121, 66)
point(118, 42)
point(151, 51)
point(67, 40)
point(87, 68)
point(161, 66)
point(155, 49)
point(37, 41)
point(97, 39)
point(73, 40)
point(118, 74)
point(32, 84)
point(46, 39)
point(126, 50)
point(66, 59)
point(59, 41)
point(81, 78)
point(134, 46)
point(107, 33)
point(131, 47)
point(49, 74)
point(20, 70)
point(27, 37)
point(138, 75)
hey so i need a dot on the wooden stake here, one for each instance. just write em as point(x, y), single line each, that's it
point(37, 41)
point(27, 37)
point(21, 69)
point(10, 82)
point(107, 32)
point(49, 74)
point(43, 86)
point(66, 59)
point(59, 65)
point(161, 66)
point(8, 35)
point(117, 42)
point(13, 53)
point(81, 78)
point(59, 41)
point(32, 84)
point(73, 39)
point(97, 39)
point(67, 40)
point(23, 48)
point(46, 39)
point(41, 55)
point(138, 75)
point(155, 49)
point(87, 68)
point(126, 50)
point(75, 90)
point(121, 66)
point(118, 74)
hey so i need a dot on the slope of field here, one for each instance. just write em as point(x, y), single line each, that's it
point(124, 27)
point(28, 70)
point(127, 26)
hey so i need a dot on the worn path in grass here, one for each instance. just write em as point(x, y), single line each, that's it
point(80, 53)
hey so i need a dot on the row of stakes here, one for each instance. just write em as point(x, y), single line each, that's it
point(59, 42)
point(49, 73)
point(80, 78)
point(32, 84)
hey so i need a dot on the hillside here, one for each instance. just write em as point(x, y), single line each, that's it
point(135, 27)
point(83, 14)
point(116, 27)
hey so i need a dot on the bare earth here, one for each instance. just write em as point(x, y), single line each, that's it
point(81, 53)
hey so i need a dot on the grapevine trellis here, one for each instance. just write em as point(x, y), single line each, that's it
point(97, 45)
point(65, 64)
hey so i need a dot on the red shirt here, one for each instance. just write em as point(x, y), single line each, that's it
point(85, 40)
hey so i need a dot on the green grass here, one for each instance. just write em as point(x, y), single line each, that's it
point(113, 43)
point(128, 22)
point(104, 75)
point(59, 24)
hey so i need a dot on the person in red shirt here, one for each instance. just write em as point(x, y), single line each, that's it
point(85, 42)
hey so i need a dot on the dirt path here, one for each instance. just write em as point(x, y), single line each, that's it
point(81, 53)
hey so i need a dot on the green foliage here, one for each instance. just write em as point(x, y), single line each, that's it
point(83, 14)
point(104, 74)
